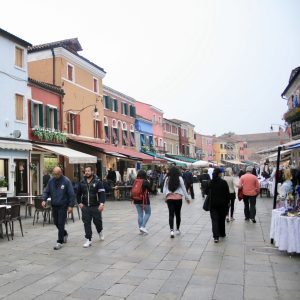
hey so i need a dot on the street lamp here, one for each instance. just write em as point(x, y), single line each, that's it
point(95, 110)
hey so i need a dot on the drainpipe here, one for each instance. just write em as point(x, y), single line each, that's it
point(53, 66)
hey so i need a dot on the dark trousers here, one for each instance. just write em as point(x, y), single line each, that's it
point(190, 187)
point(231, 208)
point(90, 213)
point(218, 216)
point(59, 217)
point(250, 207)
point(174, 207)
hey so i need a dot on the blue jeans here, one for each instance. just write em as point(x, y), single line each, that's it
point(143, 215)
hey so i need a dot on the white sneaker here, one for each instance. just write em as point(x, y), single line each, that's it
point(172, 234)
point(144, 230)
point(178, 232)
point(101, 236)
point(87, 243)
point(57, 246)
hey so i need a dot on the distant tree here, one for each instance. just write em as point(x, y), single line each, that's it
point(229, 133)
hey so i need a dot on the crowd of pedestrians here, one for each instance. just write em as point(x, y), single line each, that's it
point(217, 185)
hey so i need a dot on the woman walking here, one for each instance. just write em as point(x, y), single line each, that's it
point(218, 192)
point(230, 181)
point(143, 203)
point(174, 189)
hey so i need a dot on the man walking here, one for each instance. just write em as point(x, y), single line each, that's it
point(91, 198)
point(188, 182)
point(251, 188)
point(60, 190)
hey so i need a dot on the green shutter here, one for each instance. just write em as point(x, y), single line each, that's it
point(47, 116)
point(31, 114)
point(55, 119)
point(134, 112)
point(116, 105)
point(110, 103)
point(130, 110)
point(41, 115)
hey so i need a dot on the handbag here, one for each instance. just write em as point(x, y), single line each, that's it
point(240, 194)
point(206, 204)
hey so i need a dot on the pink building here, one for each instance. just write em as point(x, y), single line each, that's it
point(204, 147)
point(154, 114)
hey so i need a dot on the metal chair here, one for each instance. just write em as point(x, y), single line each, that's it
point(46, 211)
point(15, 216)
point(3, 219)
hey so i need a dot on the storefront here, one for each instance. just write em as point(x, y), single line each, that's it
point(45, 157)
point(14, 166)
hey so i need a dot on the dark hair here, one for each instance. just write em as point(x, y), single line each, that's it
point(216, 173)
point(173, 176)
point(141, 174)
point(89, 166)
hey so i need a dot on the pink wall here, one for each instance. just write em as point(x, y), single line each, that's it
point(147, 111)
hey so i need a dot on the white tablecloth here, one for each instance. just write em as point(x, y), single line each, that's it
point(285, 231)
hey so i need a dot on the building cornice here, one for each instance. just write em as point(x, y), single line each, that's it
point(115, 93)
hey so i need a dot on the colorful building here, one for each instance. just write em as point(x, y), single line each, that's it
point(204, 147)
point(14, 146)
point(171, 137)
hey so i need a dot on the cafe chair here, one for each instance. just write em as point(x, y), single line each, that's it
point(3, 219)
point(46, 211)
point(72, 213)
point(15, 216)
point(25, 200)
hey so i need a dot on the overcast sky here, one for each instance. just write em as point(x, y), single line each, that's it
point(219, 64)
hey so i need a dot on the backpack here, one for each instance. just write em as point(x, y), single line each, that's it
point(137, 193)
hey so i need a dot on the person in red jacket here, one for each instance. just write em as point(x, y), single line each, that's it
point(251, 188)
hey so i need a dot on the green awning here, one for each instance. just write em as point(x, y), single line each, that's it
point(169, 159)
point(182, 158)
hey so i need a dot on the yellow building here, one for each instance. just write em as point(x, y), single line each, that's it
point(225, 149)
point(82, 110)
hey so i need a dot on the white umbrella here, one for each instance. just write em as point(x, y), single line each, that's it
point(200, 164)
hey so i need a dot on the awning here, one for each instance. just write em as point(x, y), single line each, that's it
point(14, 145)
point(171, 160)
point(289, 145)
point(182, 158)
point(234, 162)
point(75, 157)
point(123, 152)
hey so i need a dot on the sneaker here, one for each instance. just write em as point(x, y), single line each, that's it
point(177, 232)
point(66, 238)
point(57, 246)
point(87, 243)
point(101, 236)
point(227, 220)
point(144, 230)
point(216, 240)
point(172, 234)
point(253, 220)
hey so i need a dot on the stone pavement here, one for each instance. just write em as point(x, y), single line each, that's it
point(130, 266)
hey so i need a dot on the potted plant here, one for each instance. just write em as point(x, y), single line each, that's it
point(3, 184)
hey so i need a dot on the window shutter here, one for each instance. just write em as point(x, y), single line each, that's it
point(41, 115)
point(108, 133)
point(56, 118)
point(31, 114)
point(77, 124)
point(47, 116)
point(134, 111)
point(68, 122)
point(122, 108)
point(116, 105)
point(130, 110)
point(100, 129)
point(110, 103)
point(126, 109)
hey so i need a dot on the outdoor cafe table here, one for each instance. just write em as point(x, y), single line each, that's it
point(285, 231)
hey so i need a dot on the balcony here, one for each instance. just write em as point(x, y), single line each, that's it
point(292, 115)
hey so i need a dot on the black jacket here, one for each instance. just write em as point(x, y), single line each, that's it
point(218, 191)
point(91, 194)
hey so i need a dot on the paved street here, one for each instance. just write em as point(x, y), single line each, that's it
point(130, 266)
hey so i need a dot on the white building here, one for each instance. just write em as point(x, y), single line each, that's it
point(14, 145)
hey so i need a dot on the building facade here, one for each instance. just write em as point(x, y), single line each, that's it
point(204, 147)
point(14, 146)
point(171, 137)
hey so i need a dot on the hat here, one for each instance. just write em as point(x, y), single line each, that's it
point(249, 169)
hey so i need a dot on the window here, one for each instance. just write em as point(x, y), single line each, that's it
point(159, 120)
point(107, 102)
point(19, 57)
point(95, 85)
point(97, 129)
point(51, 117)
point(107, 135)
point(114, 123)
point(19, 108)
point(154, 119)
point(132, 111)
point(124, 126)
point(125, 109)
point(4, 169)
point(36, 114)
point(105, 121)
point(222, 156)
point(70, 72)
point(115, 105)
point(131, 128)
point(73, 123)
point(177, 149)
point(161, 143)
point(221, 146)
point(168, 129)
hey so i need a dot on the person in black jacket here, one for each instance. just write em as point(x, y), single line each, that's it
point(218, 192)
point(204, 179)
point(91, 199)
point(60, 189)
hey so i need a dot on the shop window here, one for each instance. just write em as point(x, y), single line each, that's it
point(4, 172)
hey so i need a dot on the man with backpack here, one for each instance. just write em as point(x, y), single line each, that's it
point(91, 199)
point(140, 198)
